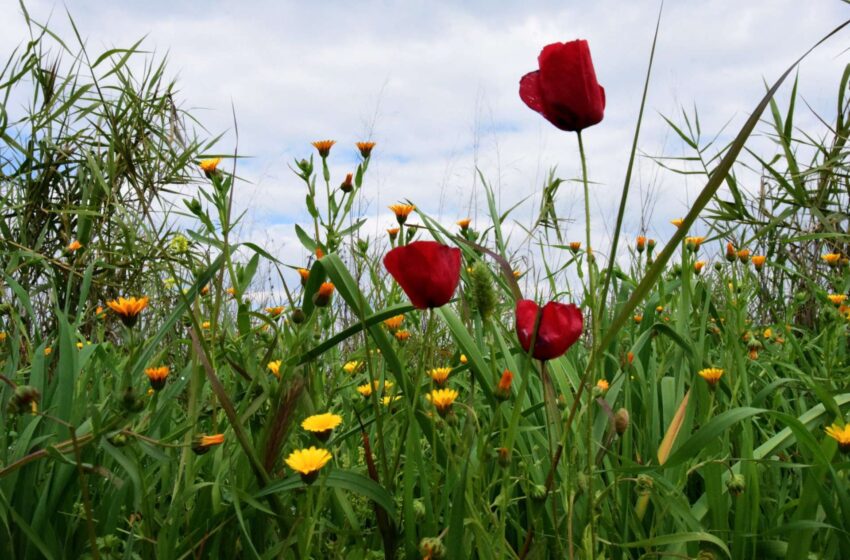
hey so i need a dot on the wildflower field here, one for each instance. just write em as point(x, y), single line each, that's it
point(428, 393)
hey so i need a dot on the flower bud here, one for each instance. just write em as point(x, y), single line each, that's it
point(736, 485)
point(432, 547)
point(482, 295)
point(322, 297)
point(503, 455)
point(621, 421)
point(347, 185)
point(24, 399)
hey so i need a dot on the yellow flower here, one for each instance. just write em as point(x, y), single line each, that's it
point(439, 375)
point(351, 367)
point(464, 223)
point(402, 211)
point(79, 346)
point(203, 443)
point(324, 147)
point(365, 148)
point(402, 335)
point(677, 222)
point(274, 367)
point(442, 399)
point(206, 325)
point(602, 385)
point(463, 359)
point(157, 376)
point(74, 246)
point(2, 336)
point(768, 333)
point(394, 323)
point(832, 259)
point(308, 462)
point(366, 390)
point(711, 375)
point(48, 350)
point(321, 425)
point(841, 435)
point(128, 309)
point(231, 291)
point(693, 243)
point(837, 299)
point(275, 311)
point(659, 309)
point(387, 401)
point(517, 274)
point(209, 166)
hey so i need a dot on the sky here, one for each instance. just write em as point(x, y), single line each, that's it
point(435, 85)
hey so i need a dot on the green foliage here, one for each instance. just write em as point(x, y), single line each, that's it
point(98, 461)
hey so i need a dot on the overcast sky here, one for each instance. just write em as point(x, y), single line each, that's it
point(435, 85)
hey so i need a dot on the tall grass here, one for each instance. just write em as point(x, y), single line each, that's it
point(655, 462)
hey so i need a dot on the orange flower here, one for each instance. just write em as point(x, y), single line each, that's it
point(74, 246)
point(640, 243)
point(503, 389)
point(128, 309)
point(637, 319)
point(157, 377)
point(402, 211)
point(324, 147)
point(392, 232)
point(274, 367)
point(320, 252)
point(630, 357)
point(203, 443)
point(731, 253)
point(322, 297)
point(602, 385)
point(837, 299)
point(464, 223)
point(832, 259)
point(698, 266)
point(305, 275)
point(744, 255)
point(394, 323)
point(402, 335)
point(275, 311)
point(758, 261)
point(575, 246)
point(365, 148)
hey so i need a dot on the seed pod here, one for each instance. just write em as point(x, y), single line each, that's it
point(621, 421)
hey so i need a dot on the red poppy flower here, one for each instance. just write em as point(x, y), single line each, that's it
point(565, 90)
point(427, 271)
point(560, 326)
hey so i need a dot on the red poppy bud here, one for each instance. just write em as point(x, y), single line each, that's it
point(565, 90)
point(427, 271)
point(560, 327)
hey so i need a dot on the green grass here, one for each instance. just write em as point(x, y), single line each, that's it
point(105, 468)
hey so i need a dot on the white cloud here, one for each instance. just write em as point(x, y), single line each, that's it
point(436, 83)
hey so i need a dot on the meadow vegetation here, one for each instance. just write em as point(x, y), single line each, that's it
point(691, 404)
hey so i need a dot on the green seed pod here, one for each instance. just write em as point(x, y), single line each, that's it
point(482, 295)
point(297, 316)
